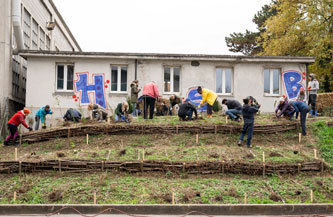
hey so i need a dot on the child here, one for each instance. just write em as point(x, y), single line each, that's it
point(248, 112)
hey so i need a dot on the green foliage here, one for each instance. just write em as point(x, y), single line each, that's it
point(325, 136)
point(217, 106)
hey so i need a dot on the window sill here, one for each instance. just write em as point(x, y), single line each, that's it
point(272, 95)
point(118, 92)
point(64, 93)
point(171, 93)
point(224, 94)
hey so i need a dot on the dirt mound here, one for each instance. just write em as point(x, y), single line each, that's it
point(55, 196)
point(122, 152)
point(275, 154)
point(249, 156)
point(214, 155)
point(60, 154)
point(274, 197)
point(188, 195)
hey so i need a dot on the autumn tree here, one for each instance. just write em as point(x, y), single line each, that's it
point(301, 28)
point(247, 43)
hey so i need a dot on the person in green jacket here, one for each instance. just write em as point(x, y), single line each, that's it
point(41, 116)
point(121, 112)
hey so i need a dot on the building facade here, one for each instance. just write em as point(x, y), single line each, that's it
point(74, 79)
point(26, 25)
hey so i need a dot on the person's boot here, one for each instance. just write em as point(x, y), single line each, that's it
point(311, 113)
point(315, 113)
point(5, 143)
point(209, 115)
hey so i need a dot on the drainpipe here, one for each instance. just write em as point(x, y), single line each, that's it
point(16, 19)
point(136, 70)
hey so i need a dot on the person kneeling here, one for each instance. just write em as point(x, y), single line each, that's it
point(248, 112)
point(186, 111)
point(122, 112)
point(72, 115)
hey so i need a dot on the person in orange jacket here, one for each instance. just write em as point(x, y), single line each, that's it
point(14, 122)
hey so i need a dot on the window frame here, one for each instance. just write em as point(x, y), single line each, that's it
point(223, 68)
point(271, 81)
point(172, 79)
point(118, 78)
point(27, 28)
point(65, 77)
point(34, 34)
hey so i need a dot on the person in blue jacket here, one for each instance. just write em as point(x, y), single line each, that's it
point(303, 108)
point(40, 116)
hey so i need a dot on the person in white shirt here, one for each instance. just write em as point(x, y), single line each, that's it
point(313, 87)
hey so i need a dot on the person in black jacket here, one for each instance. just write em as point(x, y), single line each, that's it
point(72, 115)
point(186, 110)
point(248, 112)
point(234, 108)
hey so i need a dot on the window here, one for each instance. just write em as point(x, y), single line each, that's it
point(272, 81)
point(42, 39)
point(171, 79)
point(34, 36)
point(224, 81)
point(15, 78)
point(27, 29)
point(65, 77)
point(118, 78)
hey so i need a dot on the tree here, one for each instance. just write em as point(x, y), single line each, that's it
point(247, 42)
point(302, 28)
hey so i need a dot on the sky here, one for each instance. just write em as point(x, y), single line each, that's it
point(158, 26)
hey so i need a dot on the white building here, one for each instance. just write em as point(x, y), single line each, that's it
point(26, 25)
point(75, 79)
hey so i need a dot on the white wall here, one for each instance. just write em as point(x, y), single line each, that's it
point(248, 79)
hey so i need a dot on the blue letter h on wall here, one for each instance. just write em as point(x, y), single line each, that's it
point(97, 89)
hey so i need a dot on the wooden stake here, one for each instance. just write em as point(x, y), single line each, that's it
point(311, 196)
point(103, 166)
point(184, 167)
point(59, 162)
point(245, 198)
point(215, 129)
point(177, 129)
point(264, 169)
point(87, 139)
point(222, 166)
point(173, 198)
point(263, 156)
point(138, 155)
point(14, 199)
point(95, 198)
point(20, 166)
point(299, 137)
point(299, 167)
point(69, 132)
point(226, 119)
point(15, 154)
point(20, 139)
point(315, 153)
point(143, 155)
point(197, 138)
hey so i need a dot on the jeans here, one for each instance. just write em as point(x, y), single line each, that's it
point(148, 101)
point(135, 111)
point(209, 109)
point(13, 132)
point(249, 128)
point(37, 120)
point(303, 120)
point(312, 101)
point(233, 113)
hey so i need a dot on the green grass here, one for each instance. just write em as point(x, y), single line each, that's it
point(325, 140)
point(157, 189)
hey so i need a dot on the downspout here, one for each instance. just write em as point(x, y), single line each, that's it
point(16, 19)
point(136, 70)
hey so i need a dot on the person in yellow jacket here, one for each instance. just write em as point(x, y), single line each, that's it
point(209, 97)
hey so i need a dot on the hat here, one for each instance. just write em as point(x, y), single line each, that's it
point(26, 111)
point(281, 99)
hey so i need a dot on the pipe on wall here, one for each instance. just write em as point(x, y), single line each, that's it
point(16, 19)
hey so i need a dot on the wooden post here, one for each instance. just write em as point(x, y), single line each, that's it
point(184, 167)
point(15, 154)
point(138, 155)
point(20, 140)
point(299, 167)
point(245, 198)
point(197, 138)
point(215, 129)
point(87, 139)
point(177, 129)
point(263, 169)
point(95, 198)
point(315, 153)
point(103, 166)
point(299, 137)
point(322, 166)
point(173, 198)
point(226, 119)
point(69, 132)
point(59, 162)
point(143, 155)
point(222, 166)
point(14, 199)
point(20, 166)
point(263, 157)
point(311, 196)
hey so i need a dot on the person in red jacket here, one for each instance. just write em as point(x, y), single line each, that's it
point(150, 95)
point(14, 122)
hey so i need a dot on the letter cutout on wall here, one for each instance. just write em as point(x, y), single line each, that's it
point(195, 98)
point(85, 90)
point(293, 81)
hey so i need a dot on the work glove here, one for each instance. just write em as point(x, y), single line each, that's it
point(309, 88)
point(127, 121)
point(30, 129)
point(43, 126)
point(123, 117)
point(199, 106)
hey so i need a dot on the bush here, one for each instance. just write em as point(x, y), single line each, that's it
point(325, 136)
point(217, 106)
